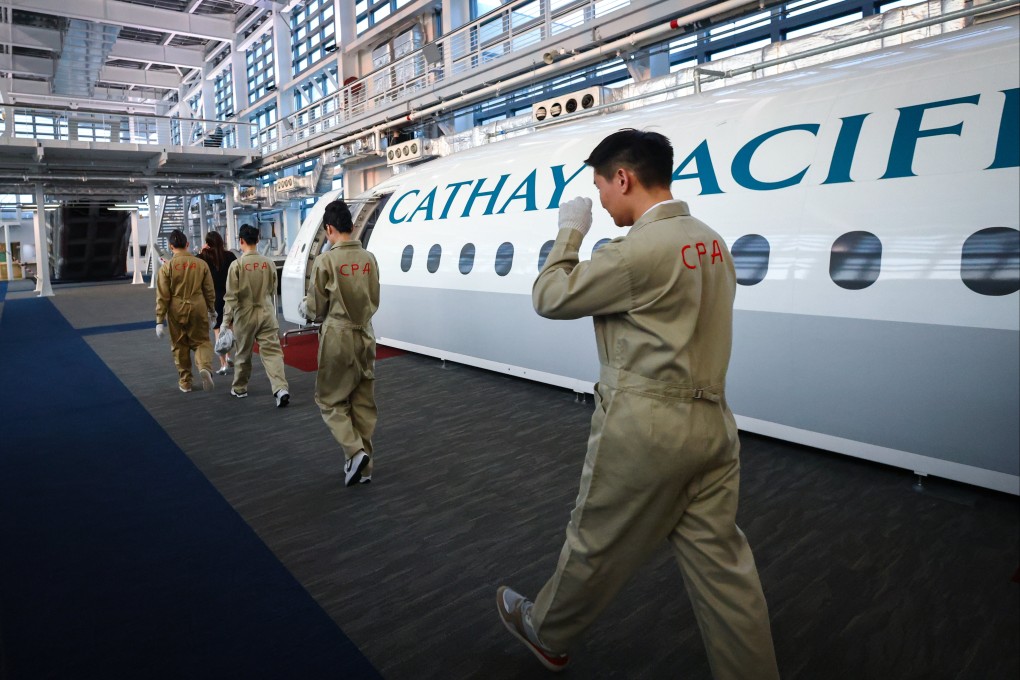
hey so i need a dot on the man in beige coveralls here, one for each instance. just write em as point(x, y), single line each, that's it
point(662, 461)
point(186, 300)
point(344, 295)
point(249, 311)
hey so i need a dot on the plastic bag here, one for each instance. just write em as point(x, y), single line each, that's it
point(225, 342)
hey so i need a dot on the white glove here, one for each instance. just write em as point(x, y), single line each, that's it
point(212, 320)
point(302, 309)
point(160, 330)
point(576, 214)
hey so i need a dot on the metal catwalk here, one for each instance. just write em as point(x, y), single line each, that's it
point(475, 476)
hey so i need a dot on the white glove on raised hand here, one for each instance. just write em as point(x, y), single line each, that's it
point(302, 309)
point(576, 214)
point(160, 330)
point(212, 320)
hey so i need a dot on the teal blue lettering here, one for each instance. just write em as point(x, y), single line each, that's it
point(477, 192)
point(453, 194)
point(742, 161)
point(396, 204)
point(561, 184)
point(1007, 149)
point(846, 146)
point(908, 132)
point(705, 173)
point(528, 196)
point(425, 206)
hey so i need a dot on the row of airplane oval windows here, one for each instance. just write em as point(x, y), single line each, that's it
point(989, 259)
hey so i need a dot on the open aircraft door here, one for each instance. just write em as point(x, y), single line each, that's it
point(311, 242)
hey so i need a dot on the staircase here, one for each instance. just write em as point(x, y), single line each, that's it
point(171, 212)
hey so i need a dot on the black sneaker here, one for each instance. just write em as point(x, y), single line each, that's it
point(282, 398)
point(353, 468)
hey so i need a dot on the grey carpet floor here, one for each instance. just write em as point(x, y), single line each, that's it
point(475, 476)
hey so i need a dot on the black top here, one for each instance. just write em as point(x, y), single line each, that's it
point(219, 276)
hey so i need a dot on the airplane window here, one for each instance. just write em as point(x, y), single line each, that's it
point(406, 257)
point(544, 253)
point(751, 258)
point(599, 244)
point(855, 260)
point(990, 261)
point(504, 258)
point(467, 258)
point(435, 253)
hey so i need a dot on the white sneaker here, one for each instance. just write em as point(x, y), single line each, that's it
point(239, 395)
point(365, 479)
point(222, 370)
point(515, 612)
point(353, 468)
point(282, 398)
point(184, 389)
point(207, 383)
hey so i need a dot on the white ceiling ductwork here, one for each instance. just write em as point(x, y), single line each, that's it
point(84, 48)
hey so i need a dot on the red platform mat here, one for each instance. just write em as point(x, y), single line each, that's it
point(302, 352)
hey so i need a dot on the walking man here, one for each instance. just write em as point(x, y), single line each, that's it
point(249, 311)
point(344, 295)
point(186, 301)
point(662, 461)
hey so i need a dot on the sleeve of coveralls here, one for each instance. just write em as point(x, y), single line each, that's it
point(373, 293)
point(318, 297)
point(162, 292)
point(569, 289)
point(230, 296)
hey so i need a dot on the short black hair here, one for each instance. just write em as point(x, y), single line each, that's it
point(649, 155)
point(338, 216)
point(248, 234)
point(178, 239)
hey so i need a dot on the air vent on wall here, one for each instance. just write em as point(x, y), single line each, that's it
point(409, 152)
point(567, 103)
point(291, 183)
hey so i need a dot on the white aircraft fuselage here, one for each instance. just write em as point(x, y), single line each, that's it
point(872, 208)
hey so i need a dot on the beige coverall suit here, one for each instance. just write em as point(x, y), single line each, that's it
point(249, 310)
point(662, 461)
point(184, 297)
point(345, 291)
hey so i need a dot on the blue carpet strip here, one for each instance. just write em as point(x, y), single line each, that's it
point(118, 559)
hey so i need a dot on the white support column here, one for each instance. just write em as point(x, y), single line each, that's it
point(203, 225)
point(136, 249)
point(7, 250)
point(153, 232)
point(231, 223)
point(42, 248)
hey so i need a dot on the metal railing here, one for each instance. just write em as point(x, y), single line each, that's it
point(24, 121)
point(511, 29)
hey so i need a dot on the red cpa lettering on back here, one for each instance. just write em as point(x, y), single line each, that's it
point(255, 266)
point(701, 250)
point(181, 266)
point(352, 269)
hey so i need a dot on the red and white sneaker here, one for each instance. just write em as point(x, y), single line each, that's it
point(515, 612)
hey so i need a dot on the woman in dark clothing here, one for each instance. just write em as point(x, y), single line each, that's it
point(218, 258)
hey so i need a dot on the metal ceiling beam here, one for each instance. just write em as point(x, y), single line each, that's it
point(135, 16)
point(157, 54)
point(29, 66)
point(129, 76)
point(35, 38)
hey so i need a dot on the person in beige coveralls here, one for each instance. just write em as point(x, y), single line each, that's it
point(344, 295)
point(249, 311)
point(186, 301)
point(662, 461)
